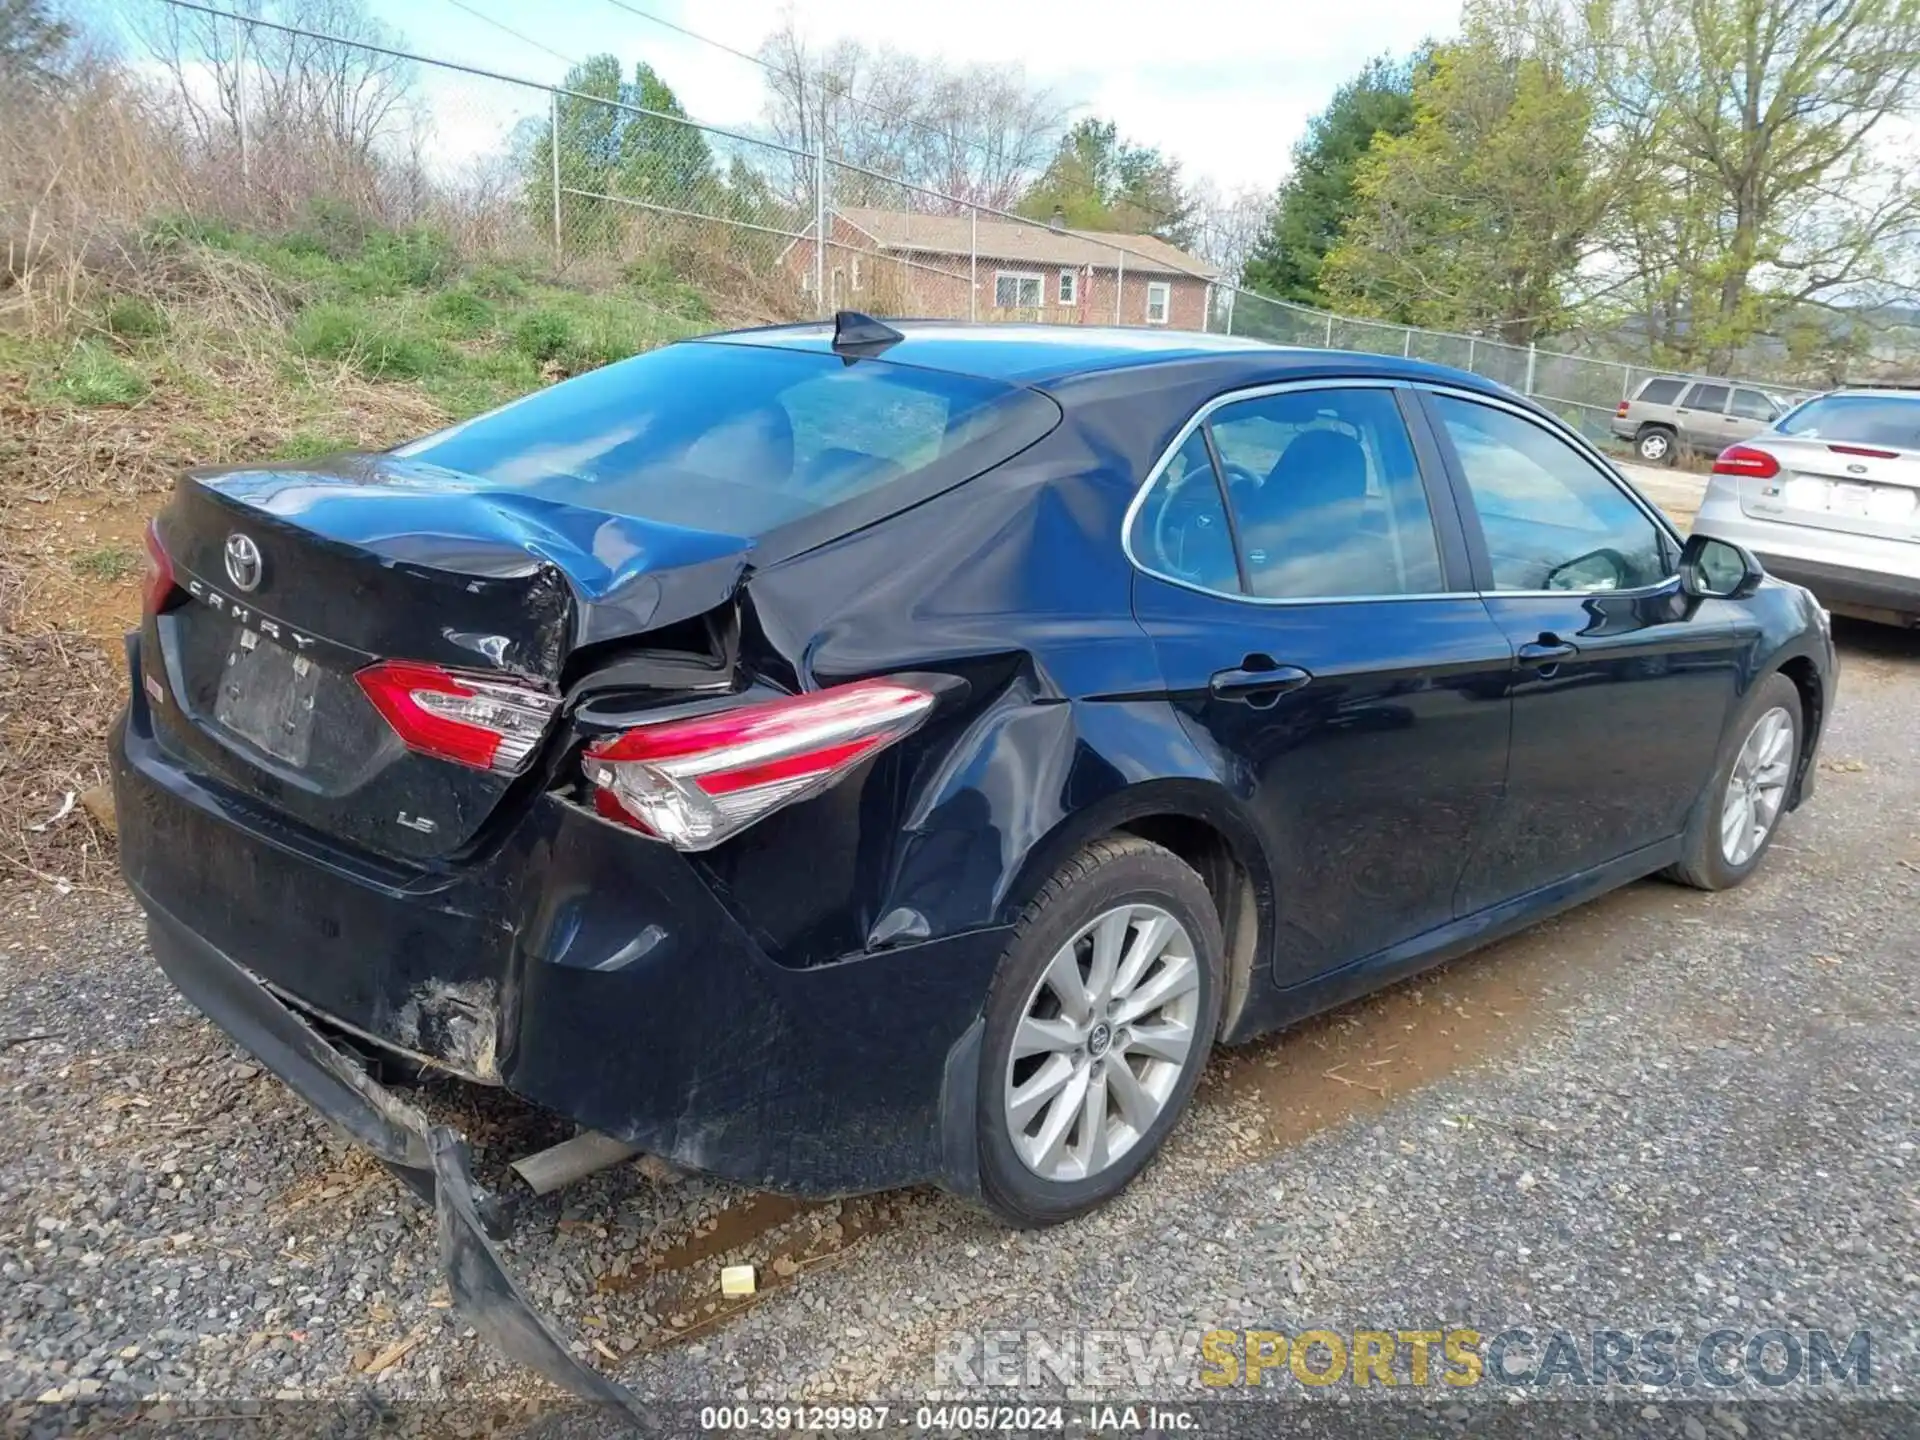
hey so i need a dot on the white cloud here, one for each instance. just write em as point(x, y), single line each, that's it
point(1224, 86)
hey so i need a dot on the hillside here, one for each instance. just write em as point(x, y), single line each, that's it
point(194, 344)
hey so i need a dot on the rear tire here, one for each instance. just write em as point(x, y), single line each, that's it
point(1656, 445)
point(1726, 839)
point(1066, 1124)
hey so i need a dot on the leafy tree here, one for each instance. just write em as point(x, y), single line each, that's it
point(1314, 203)
point(610, 152)
point(1480, 216)
point(1100, 182)
point(1765, 180)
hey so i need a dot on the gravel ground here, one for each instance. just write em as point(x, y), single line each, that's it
point(1664, 1109)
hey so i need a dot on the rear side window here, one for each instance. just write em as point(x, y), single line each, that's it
point(1889, 420)
point(733, 438)
point(1327, 495)
point(1660, 392)
point(1707, 397)
point(1181, 531)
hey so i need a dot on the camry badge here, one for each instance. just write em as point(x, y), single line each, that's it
point(243, 561)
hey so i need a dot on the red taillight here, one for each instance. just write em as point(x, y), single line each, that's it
point(1620, 412)
point(1864, 450)
point(1745, 460)
point(157, 588)
point(486, 723)
point(694, 783)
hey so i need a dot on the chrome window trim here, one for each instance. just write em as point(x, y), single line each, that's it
point(1579, 443)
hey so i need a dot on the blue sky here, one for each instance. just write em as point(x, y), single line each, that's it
point(1225, 86)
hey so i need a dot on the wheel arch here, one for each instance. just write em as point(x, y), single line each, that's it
point(1199, 824)
point(1805, 676)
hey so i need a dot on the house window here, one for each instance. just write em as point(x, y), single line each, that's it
point(1159, 301)
point(1014, 291)
point(1069, 287)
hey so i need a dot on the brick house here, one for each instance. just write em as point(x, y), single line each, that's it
point(897, 262)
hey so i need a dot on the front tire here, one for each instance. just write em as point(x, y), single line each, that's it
point(1100, 1020)
point(1734, 821)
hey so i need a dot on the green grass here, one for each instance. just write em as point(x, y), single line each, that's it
point(377, 345)
point(91, 374)
point(310, 444)
point(110, 562)
point(134, 317)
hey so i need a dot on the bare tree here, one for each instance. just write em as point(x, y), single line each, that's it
point(977, 134)
point(1227, 227)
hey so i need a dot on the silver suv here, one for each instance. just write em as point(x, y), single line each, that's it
point(1668, 414)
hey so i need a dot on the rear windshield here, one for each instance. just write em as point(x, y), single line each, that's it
point(736, 438)
point(1892, 420)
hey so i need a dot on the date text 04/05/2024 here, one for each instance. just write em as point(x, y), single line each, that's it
point(1015, 1419)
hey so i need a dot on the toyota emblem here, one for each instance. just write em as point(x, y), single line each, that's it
point(244, 564)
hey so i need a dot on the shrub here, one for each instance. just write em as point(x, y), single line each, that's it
point(331, 228)
point(93, 375)
point(543, 335)
point(375, 347)
point(410, 259)
point(461, 311)
point(497, 281)
point(132, 317)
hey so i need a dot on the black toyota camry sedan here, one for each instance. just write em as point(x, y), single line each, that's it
point(845, 755)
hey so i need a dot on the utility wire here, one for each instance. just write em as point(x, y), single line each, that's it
point(500, 25)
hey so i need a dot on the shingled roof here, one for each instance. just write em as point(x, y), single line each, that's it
point(1009, 241)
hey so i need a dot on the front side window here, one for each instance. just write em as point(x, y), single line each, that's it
point(1751, 405)
point(1016, 292)
point(1552, 519)
point(1707, 397)
point(1069, 287)
point(1327, 495)
point(1180, 530)
point(1159, 301)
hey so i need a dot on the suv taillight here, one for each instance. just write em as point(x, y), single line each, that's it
point(1620, 413)
point(694, 783)
point(156, 587)
point(487, 723)
point(1745, 460)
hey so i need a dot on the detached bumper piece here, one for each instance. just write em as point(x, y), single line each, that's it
point(432, 1161)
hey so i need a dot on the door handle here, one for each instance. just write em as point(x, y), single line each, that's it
point(1547, 650)
point(1257, 685)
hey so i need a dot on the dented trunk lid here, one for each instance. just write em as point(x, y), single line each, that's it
point(297, 578)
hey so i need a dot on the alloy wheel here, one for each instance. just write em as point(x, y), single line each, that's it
point(1102, 1042)
point(1654, 446)
point(1757, 786)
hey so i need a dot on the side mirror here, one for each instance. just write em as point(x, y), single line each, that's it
point(1718, 569)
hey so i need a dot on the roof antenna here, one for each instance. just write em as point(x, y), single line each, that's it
point(856, 336)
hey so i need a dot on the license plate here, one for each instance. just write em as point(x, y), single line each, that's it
point(266, 697)
point(1850, 500)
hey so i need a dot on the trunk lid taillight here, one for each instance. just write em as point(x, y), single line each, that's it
point(485, 723)
point(695, 783)
point(156, 587)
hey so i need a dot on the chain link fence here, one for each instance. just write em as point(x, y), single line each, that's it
point(610, 187)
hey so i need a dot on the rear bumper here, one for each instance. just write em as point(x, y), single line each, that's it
point(430, 1161)
point(1848, 572)
point(583, 968)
